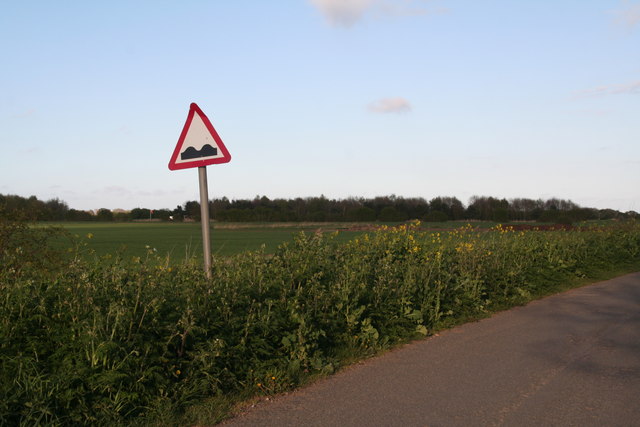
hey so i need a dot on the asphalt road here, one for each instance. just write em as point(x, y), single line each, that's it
point(572, 359)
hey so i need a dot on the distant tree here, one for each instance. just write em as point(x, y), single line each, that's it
point(390, 213)
point(178, 213)
point(139, 213)
point(76, 215)
point(218, 207)
point(56, 209)
point(317, 216)
point(457, 208)
point(500, 214)
point(559, 205)
point(234, 215)
point(162, 214)
point(192, 210)
point(381, 208)
point(364, 214)
point(472, 212)
point(487, 208)
point(300, 208)
point(104, 214)
point(318, 208)
point(121, 216)
point(13, 207)
point(525, 209)
point(450, 206)
point(284, 210)
point(583, 214)
point(548, 216)
point(36, 208)
point(608, 214)
point(436, 216)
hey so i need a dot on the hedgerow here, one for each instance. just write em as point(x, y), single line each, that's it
point(115, 340)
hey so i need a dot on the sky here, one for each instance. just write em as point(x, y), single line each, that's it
point(351, 98)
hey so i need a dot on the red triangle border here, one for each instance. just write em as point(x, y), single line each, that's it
point(226, 157)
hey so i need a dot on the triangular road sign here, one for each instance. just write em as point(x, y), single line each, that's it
point(199, 143)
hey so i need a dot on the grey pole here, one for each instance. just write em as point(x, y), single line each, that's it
point(204, 219)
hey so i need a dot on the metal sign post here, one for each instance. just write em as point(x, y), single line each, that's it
point(200, 145)
point(204, 220)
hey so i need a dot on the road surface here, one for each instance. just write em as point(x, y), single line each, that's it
point(571, 359)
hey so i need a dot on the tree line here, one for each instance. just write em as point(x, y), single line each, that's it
point(321, 209)
point(396, 208)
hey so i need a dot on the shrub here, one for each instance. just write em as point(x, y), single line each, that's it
point(113, 340)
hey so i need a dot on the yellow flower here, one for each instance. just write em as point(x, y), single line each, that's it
point(178, 372)
point(468, 247)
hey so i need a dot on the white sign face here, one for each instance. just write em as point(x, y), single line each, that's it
point(199, 143)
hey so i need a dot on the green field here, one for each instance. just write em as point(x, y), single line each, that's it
point(180, 240)
point(184, 240)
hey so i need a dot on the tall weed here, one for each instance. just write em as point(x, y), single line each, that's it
point(113, 340)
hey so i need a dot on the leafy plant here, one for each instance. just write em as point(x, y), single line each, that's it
point(88, 340)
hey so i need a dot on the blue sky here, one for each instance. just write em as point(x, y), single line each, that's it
point(530, 98)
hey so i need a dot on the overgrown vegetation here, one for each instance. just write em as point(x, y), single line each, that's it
point(111, 340)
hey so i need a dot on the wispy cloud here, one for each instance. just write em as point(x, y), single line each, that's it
point(594, 112)
point(390, 105)
point(124, 192)
point(632, 88)
point(31, 151)
point(345, 13)
point(154, 193)
point(342, 13)
point(406, 8)
point(629, 15)
point(123, 130)
point(114, 190)
point(25, 114)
